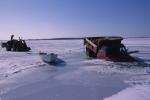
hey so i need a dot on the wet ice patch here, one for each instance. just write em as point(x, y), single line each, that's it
point(108, 67)
point(143, 79)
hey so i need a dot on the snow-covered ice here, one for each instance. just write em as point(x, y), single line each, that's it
point(24, 76)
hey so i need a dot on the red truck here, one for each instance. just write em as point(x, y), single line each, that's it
point(107, 48)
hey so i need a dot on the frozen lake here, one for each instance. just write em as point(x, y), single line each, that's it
point(24, 76)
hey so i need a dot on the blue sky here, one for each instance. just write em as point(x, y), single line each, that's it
point(74, 18)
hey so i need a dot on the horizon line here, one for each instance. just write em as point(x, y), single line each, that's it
point(76, 38)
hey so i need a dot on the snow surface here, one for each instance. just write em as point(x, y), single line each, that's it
point(24, 76)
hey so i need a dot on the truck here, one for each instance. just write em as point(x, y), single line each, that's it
point(107, 48)
point(15, 45)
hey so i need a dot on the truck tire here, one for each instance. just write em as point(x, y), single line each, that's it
point(14, 48)
point(8, 48)
point(90, 53)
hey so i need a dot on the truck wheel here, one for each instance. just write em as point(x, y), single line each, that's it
point(90, 53)
point(87, 52)
point(8, 48)
point(14, 47)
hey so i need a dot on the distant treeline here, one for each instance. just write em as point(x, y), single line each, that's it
point(80, 38)
point(76, 38)
point(59, 39)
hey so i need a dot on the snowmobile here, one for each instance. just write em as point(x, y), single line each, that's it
point(48, 58)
